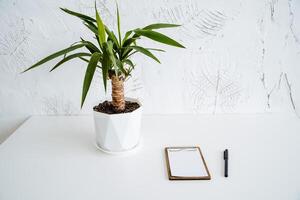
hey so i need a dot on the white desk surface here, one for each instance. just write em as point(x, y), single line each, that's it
point(54, 158)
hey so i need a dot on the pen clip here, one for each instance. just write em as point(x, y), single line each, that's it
point(226, 154)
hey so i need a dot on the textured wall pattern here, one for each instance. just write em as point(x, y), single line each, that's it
point(242, 56)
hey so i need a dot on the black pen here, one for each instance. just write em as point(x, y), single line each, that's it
point(226, 162)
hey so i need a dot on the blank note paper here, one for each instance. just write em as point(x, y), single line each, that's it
point(186, 163)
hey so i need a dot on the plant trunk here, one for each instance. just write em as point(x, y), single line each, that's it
point(117, 94)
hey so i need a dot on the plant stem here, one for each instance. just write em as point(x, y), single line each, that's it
point(117, 94)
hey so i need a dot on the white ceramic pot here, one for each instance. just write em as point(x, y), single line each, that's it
point(116, 133)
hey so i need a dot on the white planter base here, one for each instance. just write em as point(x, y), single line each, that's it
point(118, 133)
point(120, 153)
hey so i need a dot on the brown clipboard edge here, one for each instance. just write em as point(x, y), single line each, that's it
point(173, 178)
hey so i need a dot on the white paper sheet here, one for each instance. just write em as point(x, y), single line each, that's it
point(186, 162)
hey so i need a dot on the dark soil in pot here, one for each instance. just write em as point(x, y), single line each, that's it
point(107, 107)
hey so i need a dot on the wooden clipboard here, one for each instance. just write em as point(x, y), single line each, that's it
point(182, 177)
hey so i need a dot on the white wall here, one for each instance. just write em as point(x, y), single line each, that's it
point(242, 56)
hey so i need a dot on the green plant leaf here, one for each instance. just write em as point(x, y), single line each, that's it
point(93, 29)
point(72, 45)
point(89, 74)
point(144, 51)
point(90, 46)
point(87, 61)
point(81, 16)
point(76, 55)
point(91, 24)
point(121, 67)
point(127, 34)
point(129, 62)
point(112, 56)
point(112, 36)
point(153, 49)
point(160, 25)
point(101, 28)
point(105, 64)
point(128, 55)
point(55, 55)
point(156, 36)
point(131, 66)
point(127, 43)
point(119, 26)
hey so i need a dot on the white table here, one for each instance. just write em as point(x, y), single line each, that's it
point(55, 158)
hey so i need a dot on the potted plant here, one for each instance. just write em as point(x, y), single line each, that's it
point(117, 122)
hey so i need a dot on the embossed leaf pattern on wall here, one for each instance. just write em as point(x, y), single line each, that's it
point(196, 22)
